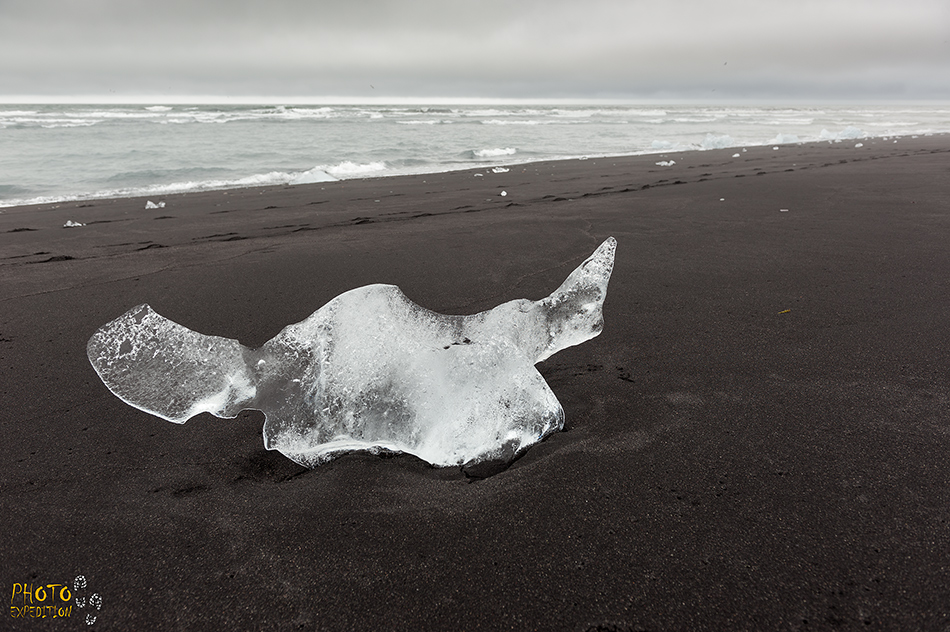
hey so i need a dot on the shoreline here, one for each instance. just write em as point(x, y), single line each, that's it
point(179, 187)
point(756, 440)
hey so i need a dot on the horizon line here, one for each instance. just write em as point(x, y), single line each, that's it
point(197, 99)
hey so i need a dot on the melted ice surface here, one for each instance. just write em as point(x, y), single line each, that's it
point(368, 370)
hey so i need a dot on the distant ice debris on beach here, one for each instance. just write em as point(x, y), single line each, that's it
point(369, 371)
point(150, 205)
point(71, 224)
point(736, 155)
point(499, 170)
point(666, 163)
point(503, 193)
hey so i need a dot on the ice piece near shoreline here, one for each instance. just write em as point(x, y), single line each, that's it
point(783, 139)
point(151, 205)
point(311, 177)
point(664, 144)
point(666, 163)
point(712, 141)
point(848, 133)
point(71, 224)
point(369, 370)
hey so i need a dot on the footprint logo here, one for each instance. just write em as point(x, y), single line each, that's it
point(93, 603)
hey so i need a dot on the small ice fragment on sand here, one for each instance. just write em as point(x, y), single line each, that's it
point(775, 149)
point(503, 193)
point(150, 205)
point(499, 170)
point(666, 163)
point(858, 145)
point(722, 199)
point(369, 370)
point(71, 224)
point(735, 155)
point(783, 210)
point(479, 175)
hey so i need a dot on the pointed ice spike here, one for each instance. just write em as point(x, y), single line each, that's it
point(574, 312)
point(368, 370)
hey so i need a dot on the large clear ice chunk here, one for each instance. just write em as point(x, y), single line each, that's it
point(368, 370)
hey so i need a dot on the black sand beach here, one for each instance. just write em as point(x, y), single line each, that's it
point(759, 439)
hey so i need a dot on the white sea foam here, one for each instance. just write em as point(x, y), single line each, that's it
point(264, 179)
point(348, 169)
point(57, 124)
point(309, 177)
point(517, 122)
point(494, 153)
point(790, 121)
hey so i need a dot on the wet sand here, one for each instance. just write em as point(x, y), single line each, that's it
point(758, 440)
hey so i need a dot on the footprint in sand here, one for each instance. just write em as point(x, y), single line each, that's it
point(94, 603)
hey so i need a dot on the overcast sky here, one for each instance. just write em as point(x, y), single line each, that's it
point(706, 49)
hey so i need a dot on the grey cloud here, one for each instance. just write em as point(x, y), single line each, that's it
point(490, 48)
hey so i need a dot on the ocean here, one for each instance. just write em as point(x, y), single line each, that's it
point(51, 153)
